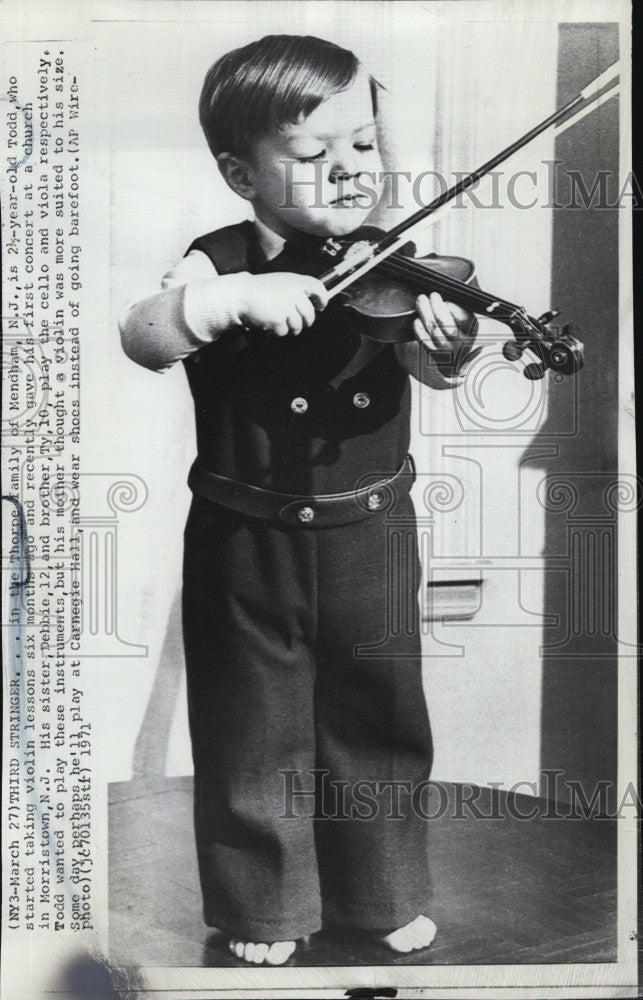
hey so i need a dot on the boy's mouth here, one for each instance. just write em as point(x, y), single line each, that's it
point(350, 201)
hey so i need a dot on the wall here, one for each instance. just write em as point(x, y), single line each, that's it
point(483, 671)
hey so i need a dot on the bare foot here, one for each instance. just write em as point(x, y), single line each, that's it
point(262, 954)
point(418, 934)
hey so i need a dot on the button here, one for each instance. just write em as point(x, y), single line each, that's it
point(375, 501)
point(299, 405)
point(361, 400)
point(305, 515)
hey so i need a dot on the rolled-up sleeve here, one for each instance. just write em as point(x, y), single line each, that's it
point(193, 307)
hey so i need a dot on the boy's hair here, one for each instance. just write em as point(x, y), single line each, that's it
point(268, 84)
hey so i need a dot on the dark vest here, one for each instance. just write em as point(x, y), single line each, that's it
point(312, 414)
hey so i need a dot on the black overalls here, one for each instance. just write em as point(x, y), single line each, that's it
point(302, 641)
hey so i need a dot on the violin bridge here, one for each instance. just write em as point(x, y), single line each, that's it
point(356, 255)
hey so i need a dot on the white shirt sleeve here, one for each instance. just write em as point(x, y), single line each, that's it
point(194, 266)
point(195, 305)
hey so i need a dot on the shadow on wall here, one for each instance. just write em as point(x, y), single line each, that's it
point(581, 489)
point(151, 747)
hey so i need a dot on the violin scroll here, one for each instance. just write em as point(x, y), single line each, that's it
point(382, 299)
point(562, 354)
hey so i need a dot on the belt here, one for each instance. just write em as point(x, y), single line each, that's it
point(326, 511)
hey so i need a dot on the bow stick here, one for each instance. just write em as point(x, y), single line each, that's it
point(361, 257)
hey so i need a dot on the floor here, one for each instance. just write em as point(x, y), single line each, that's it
point(506, 891)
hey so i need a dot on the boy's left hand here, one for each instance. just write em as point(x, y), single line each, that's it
point(443, 328)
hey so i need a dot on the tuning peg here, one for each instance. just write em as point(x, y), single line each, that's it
point(547, 317)
point(534, 371)
point(561, 358)
point(566, 354)
point(512, 350)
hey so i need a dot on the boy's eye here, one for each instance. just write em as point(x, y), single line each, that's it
point(364, 147)
point(311, 159)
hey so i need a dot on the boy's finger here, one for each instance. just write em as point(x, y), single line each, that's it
point(316, 291)
point(425, 312)
point(420, 331)
point(295, 322)
point(307, 310)
point(460, 315)
point(427, 317)
point(425, 337)
point(444, 318)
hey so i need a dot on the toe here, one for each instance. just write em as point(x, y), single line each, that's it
point(261, 950)
point(415, 938)
point(429, 930)
point(250, 952)
point(280, 952)
point(238, 948)
point(399, 940)
point(419, 933)
point(423, 931)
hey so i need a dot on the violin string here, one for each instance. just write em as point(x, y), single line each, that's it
point(505, 311)
point(475, 295)
point(449, 283)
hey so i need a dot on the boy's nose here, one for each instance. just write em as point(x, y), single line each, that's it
point(344, 165)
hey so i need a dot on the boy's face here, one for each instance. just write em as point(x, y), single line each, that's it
point(321, 175)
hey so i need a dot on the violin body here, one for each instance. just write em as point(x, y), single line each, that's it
point(382, 300)
point(383, 306)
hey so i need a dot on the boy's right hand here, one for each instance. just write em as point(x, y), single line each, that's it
point(281, 303)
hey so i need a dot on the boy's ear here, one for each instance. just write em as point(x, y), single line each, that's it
point(237, 175)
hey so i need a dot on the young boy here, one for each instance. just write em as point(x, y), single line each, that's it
point(294, 581)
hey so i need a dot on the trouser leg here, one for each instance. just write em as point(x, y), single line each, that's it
point(248, 594)
point(371, 723)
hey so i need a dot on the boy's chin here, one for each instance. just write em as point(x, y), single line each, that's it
point(339, 222)
point(343, 222)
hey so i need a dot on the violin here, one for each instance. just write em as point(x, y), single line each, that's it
point(379, 279)
point(382, 302)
